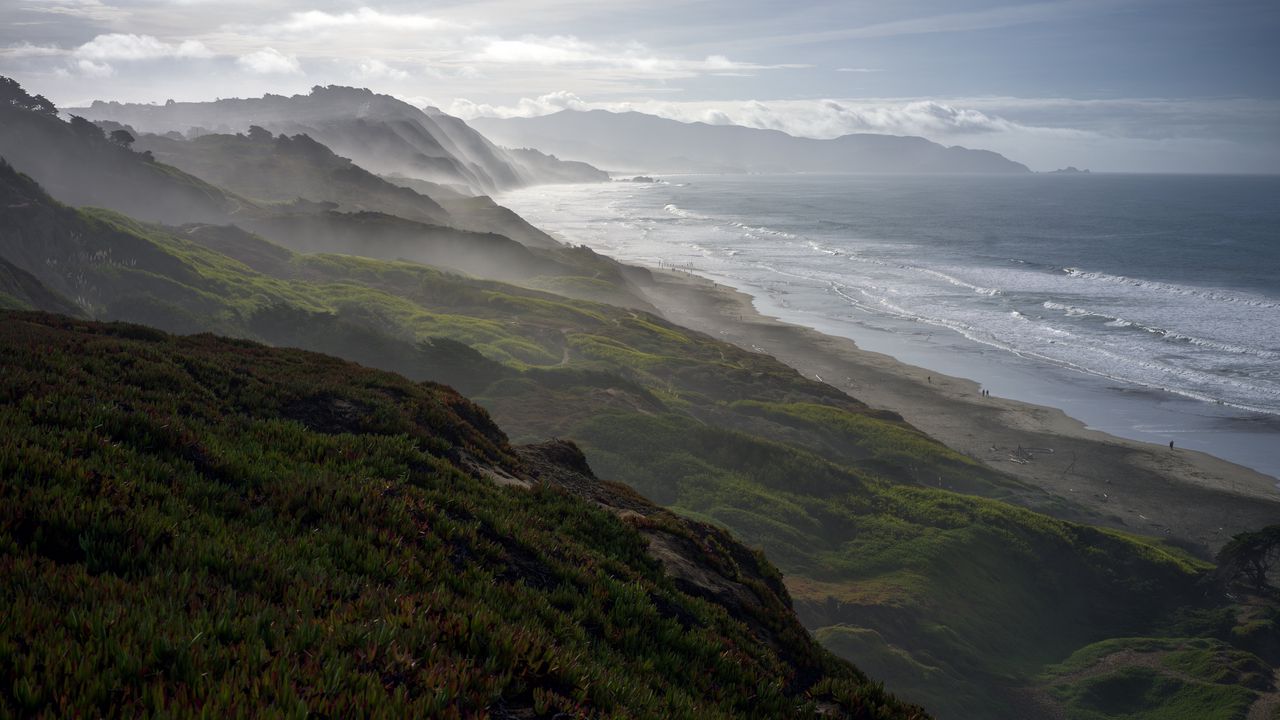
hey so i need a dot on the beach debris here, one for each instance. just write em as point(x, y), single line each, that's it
point(1024, 455)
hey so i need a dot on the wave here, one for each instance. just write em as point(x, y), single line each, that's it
point(765, 231)
point(1170, 288)
point(680, 212)
point(1108, 362)
point(992, 292)
point(1164, 333)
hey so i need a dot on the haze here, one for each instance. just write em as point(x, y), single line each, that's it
point(1126, 85)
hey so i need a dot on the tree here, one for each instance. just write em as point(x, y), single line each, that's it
point(1250, 556)
point(86, 129)
point(122, 137)
point(258, 133)
point(11, 93)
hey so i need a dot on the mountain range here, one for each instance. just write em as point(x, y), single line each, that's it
point(635, 142)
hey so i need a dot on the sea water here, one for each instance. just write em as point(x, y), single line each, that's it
point(1144, 305)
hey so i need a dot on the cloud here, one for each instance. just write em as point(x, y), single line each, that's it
point(631, 58)
point(363, 18)
point(90, 68)
point(805, 118)
point(526, 107)
point(87, 9)
point(120, 46)
point(27, 50)
point(989, 18)
point(371, 69)
point(269, 61)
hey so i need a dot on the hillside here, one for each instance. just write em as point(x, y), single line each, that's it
point(959, 601)
point(283, 168)
point(84, 166)
point(77, 162)
point(379, 132)
point(20, 290)
point(248, 527)
point(636, 142)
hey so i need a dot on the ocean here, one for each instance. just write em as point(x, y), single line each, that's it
point(1147, 306)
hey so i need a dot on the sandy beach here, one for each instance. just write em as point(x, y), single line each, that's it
point(1190, 498)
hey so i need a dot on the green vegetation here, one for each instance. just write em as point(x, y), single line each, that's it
point(1160, 679)
point(846, 500)
point(960, 601)
point(211, 526)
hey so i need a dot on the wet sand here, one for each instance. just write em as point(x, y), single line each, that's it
point(1182, 495)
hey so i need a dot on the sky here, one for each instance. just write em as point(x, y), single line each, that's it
point(1110, 85)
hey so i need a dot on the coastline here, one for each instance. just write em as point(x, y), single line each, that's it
point(1178, 494)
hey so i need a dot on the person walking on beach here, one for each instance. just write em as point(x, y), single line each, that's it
point(1170, 444)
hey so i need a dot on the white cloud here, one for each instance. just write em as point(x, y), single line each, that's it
point(120, 46)
point(371, 69)
point(87, 9)
point(555, 50)
point(526, 107)
point(363, 18)
point(90, 68)
point(269, 61)
point(632, 58)
point(805, 118)
point(27, 50)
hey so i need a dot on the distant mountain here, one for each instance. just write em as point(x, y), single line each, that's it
point(378, 132)
point(636, 142)
point(283, 169)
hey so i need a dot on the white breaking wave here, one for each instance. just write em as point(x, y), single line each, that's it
point(1169, 288)
point(1167, 334)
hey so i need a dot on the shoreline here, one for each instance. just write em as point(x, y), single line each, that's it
point(1125, 484)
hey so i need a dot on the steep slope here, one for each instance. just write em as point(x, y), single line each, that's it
point(282, 169)
point(83, 164)
point(20, 290)
point(479, 213)
point(635, 142)
point(379, 132)
point(209, 526)
point(959, 600)
point(79, 164)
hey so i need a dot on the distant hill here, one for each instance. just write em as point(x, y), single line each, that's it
point(379, 132)
point(282, 169)
point(636, 142)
